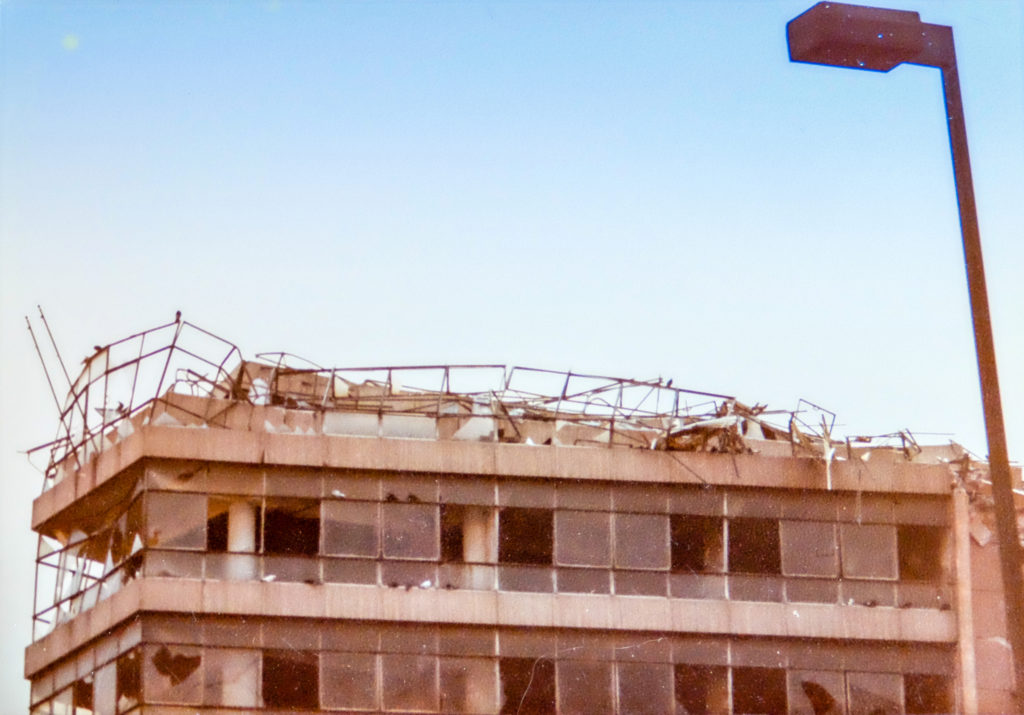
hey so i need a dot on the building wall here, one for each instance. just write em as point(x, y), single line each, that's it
point(717, 589)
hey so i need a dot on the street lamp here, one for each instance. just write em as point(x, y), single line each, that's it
point(879, 39)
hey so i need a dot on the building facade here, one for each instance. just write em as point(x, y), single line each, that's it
point(220, 535)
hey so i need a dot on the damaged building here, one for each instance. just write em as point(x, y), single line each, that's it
point(224, 535)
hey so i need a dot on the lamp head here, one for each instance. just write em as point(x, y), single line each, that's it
point(867, 38)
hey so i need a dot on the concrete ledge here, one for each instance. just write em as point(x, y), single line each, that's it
point(490, 459)
point(496, 608)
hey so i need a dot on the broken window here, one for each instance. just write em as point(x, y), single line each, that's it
point(820, 692)
point(409, 682)
point(809, 548)
point(350, 680)
point(583, 538)
point(920, 550)
point(410, 531)
point(451, 533)
point(290, 679)
point(351, 528)
point(928, 693)
point(527, 685)
point(217, 526)
point(696, 543)
point(876, 693)
point(868, 550)
point(233, 526)
point(291, 527)
point(645, 688)
point(129, 680)
point(702, 689)
point(759, 690)
point(754, 546)
point(525, 536)
point(641, 541)
point(81, 696)
point(173, 674)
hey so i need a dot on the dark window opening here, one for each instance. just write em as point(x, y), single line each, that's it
point(525, 536)
point(927, 693)
point(754, 546)
point(759, 690)
point(81, 694)
point(217, 533)
point(700, 689)
point(290, 680)
point(292, 529)
point(527, 686)
point(129, 679)
point(696, 543)
point(452, 517)
point(920, 551)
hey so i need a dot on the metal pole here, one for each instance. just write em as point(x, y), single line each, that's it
point(998, 460)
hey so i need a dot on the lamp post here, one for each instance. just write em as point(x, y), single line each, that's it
point(879, 39)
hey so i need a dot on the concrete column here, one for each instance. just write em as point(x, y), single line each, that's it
point(242, 540)
point(964, 608)
point(479, 545)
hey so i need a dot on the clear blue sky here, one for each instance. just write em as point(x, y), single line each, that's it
point(626, 188)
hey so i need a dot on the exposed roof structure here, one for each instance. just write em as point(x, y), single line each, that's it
point(150, 376)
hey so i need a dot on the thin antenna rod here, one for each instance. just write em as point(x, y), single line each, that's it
point(54, 343)
point(43, 363)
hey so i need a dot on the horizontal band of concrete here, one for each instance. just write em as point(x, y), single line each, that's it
point(492, 608)
point(490, 459)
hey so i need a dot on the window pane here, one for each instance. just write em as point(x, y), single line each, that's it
point(527, 685)
point(920, 550)
point(645, 688)
point(702, 689)
point(350, 680)
point(291, 679)
point(584, 688)
point(879, 693)
point(809, 548)
point(868, 550)
point(350, 528)
point(176, 521)
point(525, 536)
point(231, 677)
point(410, 531)
point(641, 541)
point(292, 527)
point(928, 693)
point(173, 674)
point(759, 690)
point(696, 543)
point(816, 691)
point(468, 685)
point(754, 546)
point(410, 682)
point(582, 538)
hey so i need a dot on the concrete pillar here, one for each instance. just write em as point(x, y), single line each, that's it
point(479, 545)
point(964, 608)
point(242, 540)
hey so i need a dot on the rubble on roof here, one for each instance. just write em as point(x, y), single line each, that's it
point(179, 375)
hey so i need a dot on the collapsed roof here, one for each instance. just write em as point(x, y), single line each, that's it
point(180, 374)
